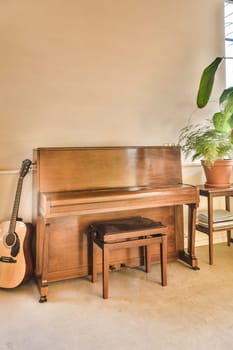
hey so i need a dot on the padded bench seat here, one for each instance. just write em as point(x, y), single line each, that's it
point(135, 231)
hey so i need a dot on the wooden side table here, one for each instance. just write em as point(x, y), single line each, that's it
point(210, 193)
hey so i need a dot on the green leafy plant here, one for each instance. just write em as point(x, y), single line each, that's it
point(213, 140)
point(205, 142)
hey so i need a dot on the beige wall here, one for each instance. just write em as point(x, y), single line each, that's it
point(96, 73)
point(106, 72)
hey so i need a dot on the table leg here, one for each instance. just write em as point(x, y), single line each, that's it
point(210, 228)
point(229, 239)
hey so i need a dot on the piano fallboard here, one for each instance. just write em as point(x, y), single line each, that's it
point(54, 204)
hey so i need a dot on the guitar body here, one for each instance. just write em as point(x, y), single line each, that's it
point(15, 255)
point(15, 248)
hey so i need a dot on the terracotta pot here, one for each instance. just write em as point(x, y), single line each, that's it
point(219, 174)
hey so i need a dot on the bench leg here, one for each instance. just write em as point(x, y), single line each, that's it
point(94, 273)
point(163, 260)
point(211, 247)
point(105, 264)
point(148, 258)
point(229, 238)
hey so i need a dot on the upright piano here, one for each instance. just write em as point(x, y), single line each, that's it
point(79, 185)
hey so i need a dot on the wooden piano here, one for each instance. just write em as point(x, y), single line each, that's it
point(74, 186)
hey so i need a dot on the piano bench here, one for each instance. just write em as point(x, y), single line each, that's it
point(128, 232)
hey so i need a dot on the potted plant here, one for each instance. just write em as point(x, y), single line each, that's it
point(212, 141)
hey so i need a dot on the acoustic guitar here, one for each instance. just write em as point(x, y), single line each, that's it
point(15, 251)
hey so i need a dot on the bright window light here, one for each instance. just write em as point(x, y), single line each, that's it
point(228, 25)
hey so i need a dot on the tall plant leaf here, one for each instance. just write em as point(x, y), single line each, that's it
point(206, 82)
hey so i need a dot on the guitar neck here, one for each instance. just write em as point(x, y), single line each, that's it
point(16, 205)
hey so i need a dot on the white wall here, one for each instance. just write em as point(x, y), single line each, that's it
point(98, 73)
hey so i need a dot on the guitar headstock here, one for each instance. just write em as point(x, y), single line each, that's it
point(25, 167)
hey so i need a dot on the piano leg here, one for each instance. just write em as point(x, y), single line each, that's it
point(190, 257)
point(43, 279)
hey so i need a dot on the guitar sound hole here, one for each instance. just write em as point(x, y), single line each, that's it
point(16, 247)
point(10, 239)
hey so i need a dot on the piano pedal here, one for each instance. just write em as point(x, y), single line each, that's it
point(123, 266)
point(112, 268)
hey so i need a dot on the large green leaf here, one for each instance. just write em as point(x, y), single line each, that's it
point(224, 97)
point(220, 122)
point(207, 82)
point(228, 111)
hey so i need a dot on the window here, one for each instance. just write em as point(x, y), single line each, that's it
point(228, 25)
